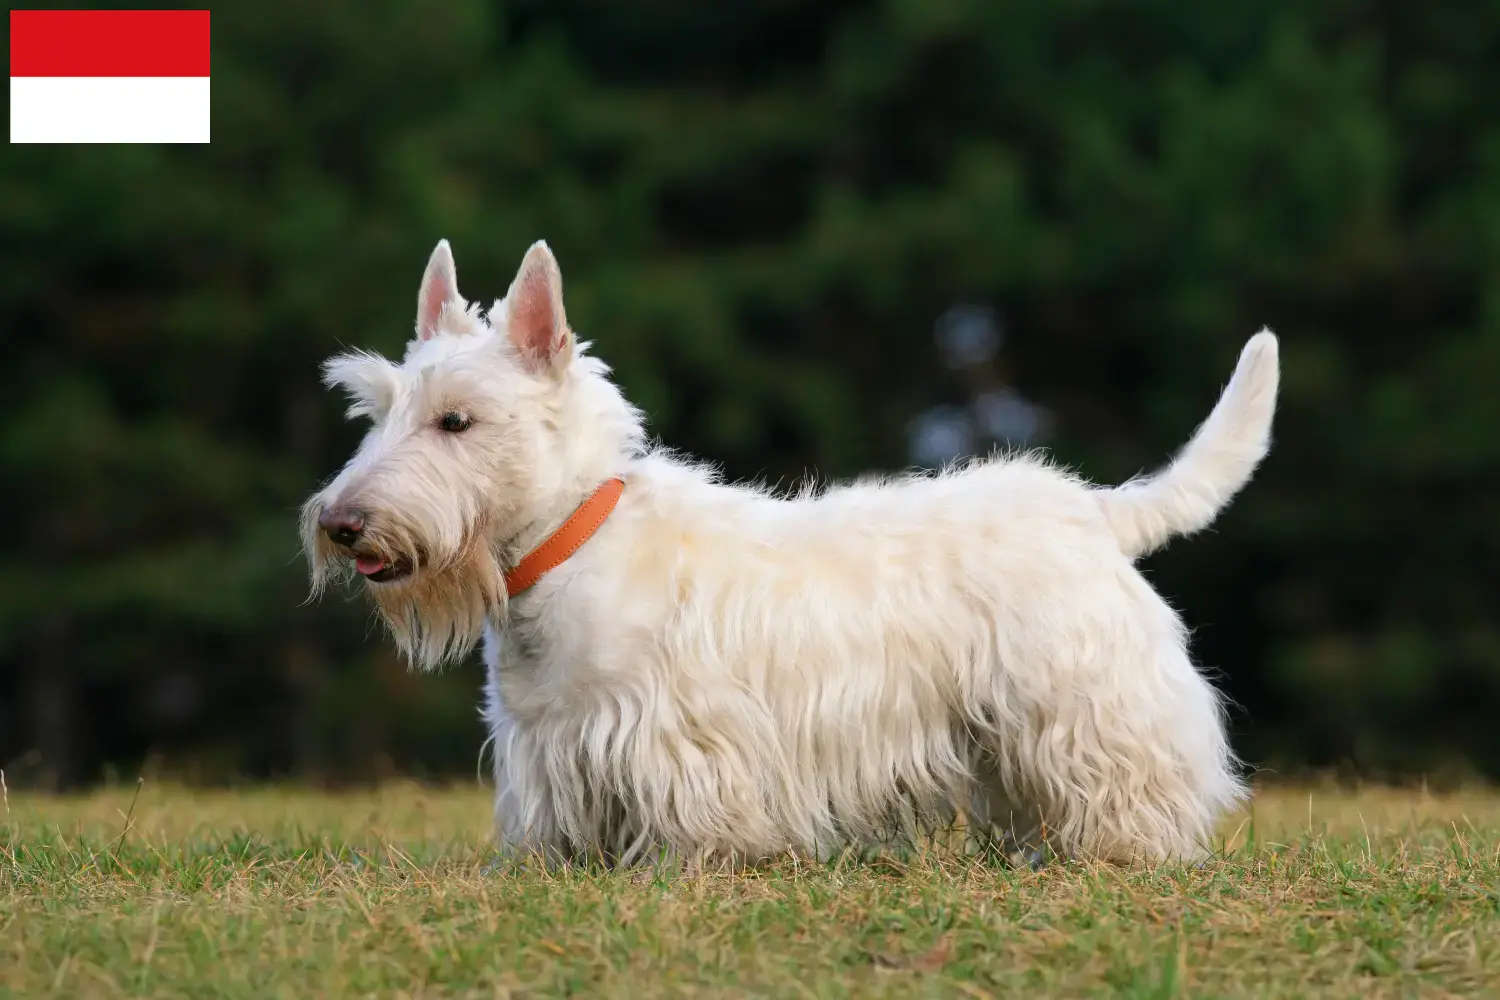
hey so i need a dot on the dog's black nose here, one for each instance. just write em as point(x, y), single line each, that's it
point(342, 524)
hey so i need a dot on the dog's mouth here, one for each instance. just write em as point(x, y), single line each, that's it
point(376, 569)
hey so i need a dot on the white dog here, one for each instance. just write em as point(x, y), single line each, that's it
point(692, 667)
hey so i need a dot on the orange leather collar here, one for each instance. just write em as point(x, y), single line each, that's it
point(565, 540)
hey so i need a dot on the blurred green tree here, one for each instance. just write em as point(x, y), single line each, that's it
point(761, 211)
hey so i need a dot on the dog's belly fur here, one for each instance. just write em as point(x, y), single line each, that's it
point(723, 673)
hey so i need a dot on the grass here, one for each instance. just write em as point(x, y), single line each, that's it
point(291, 893)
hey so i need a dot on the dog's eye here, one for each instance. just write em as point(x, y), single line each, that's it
point(453, 422)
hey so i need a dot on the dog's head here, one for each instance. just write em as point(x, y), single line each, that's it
point(490, 425)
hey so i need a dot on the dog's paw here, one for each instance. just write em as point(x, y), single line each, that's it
point(1034, 858)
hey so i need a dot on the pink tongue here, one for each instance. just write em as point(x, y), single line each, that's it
point(367, 566)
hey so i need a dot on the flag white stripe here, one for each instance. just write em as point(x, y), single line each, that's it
point(109, 109)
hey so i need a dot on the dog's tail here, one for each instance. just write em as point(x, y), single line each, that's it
point(1188, 494)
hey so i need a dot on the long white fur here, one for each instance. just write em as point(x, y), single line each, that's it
point(721, 672)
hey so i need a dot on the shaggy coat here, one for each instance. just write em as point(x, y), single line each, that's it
point(723, 673)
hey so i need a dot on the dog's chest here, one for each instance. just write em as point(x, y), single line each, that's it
point(542, 663)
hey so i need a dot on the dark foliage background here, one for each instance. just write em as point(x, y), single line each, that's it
point(762, 211)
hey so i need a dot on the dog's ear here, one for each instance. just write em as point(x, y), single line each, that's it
point(371, 382)
point(535, 320)
point(439, 291)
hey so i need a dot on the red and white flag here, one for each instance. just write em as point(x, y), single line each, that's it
point(109, 75)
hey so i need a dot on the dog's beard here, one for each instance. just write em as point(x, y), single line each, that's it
point(436, 613)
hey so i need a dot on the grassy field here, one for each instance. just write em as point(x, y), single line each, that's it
point(285, 893)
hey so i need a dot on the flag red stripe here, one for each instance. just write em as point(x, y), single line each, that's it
point(109, 43)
